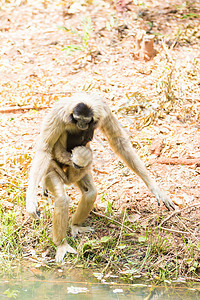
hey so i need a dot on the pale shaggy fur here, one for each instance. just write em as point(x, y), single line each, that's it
point(52, 147)
point(81, 156)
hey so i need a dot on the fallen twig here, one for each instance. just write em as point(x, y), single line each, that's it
point(173, 230)
point(10, 183)
point(192, 279)
point(186, 228)
point(16, 109)
point(178, 212)
point(112, 220)
point(178, 161)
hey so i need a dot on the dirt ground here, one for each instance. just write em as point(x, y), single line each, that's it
point(156, 100)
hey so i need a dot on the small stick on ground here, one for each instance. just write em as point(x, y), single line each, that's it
point(173, 230)
point(178, 161)
point(12, 184)
point(112, 220)
point(18, 109)
point(178, 212)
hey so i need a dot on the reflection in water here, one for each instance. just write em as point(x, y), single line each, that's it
point(80, 284)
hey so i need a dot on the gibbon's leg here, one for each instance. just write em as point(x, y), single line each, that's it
point(85, 205)
point(55, 184)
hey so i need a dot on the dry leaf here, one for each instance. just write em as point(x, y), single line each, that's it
point(133, 218)
point(6, 204)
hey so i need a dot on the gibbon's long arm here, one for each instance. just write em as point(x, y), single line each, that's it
point(52, 128)
point(121, 145)
point(60, 153)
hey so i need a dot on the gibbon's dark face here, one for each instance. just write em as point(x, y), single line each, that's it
point(82, 116)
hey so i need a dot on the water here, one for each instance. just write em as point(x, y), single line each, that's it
point(83, 284)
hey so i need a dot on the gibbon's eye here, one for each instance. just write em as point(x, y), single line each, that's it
point(82, 118)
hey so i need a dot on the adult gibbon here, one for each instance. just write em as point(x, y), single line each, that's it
point(63, 157)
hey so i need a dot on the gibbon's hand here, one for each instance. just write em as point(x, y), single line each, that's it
point(160, 195)
point(81, 157)
point(32, 206)
point(32, 210)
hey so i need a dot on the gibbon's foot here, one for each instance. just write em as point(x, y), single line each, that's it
point(62, 250)
point(75, 230)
